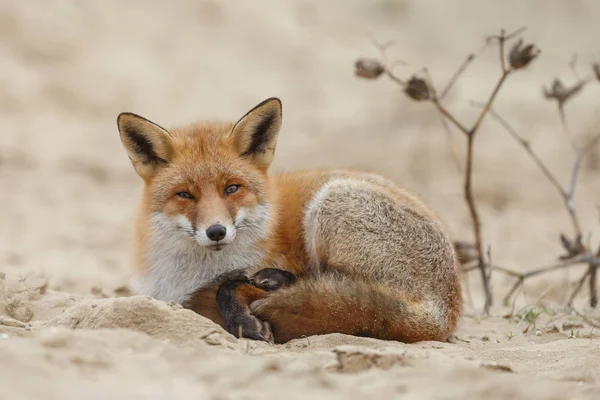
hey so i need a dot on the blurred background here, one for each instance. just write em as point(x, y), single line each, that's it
point(68, 192)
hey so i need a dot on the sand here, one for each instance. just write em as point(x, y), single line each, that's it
point(68, 192)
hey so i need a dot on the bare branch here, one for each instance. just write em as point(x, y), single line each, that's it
point(573, 66)
point(565, 126)
point(583, 259)
point(562, 94)
point(593, 281)
point(488, 105)
point(457, 75)
point(588, 321)
point(520, 55)
point(570, 194)
point(527, 146)
point(519, 58)
point(506, 270)
point(566, 195)
point(502, 39)
point(593, 285)
point(496, 267)
point(578, 288)
point(505, 37)
point(518, 284)
point(470, 199)
point(468, 186)
point(393, 77)
point(450, 117)
point(452, 144)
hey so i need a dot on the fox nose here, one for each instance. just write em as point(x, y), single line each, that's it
point(216, 232)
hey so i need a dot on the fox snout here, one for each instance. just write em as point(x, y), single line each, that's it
point(216, 236)
point(217, 233)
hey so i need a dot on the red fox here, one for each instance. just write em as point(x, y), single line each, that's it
point(285, 255)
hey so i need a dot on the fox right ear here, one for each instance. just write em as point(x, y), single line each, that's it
point(147, 144)
point(255, 134)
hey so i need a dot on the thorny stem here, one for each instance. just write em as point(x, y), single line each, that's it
point(518, 284)
point(453, 149)
point(393, 77)
point(502, 38)
point(586, 258)
point(582, 259)
point(509, 36)
point(568, 198)
point(388, 69)
point(457, 75)
point(563, 121)
point(593, 287)
point(587, 320)
point(570, 194)
point(526, 145)
point(468, 175)
point(578, 287)
point(573, 66)
point(470, 198)
point(445, 114)
point(468, 182)
point(488, 105)
point(593, 281)
point(469, 268)
point(448, 115)
point(566, 195)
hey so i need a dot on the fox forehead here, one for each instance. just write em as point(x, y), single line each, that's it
point(202, 140)
point(205, 157)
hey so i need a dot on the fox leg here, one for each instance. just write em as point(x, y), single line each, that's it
point(226, 302)
point(272, 279)
point(235, 296)
point(233, 299)
point(203, 300)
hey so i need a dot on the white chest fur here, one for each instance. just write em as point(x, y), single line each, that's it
point(178, 266)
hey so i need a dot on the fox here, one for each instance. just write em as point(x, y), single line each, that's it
point(278, 256)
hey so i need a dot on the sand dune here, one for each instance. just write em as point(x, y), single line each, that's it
point(68, 192)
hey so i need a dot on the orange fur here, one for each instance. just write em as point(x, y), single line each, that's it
point(371, 258)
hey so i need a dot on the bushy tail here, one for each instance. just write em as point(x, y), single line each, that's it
point(342, 304)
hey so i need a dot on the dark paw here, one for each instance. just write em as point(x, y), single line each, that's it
point(249, 327)
point(271, 279)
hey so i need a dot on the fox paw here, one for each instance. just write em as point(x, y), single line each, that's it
point(249, 327)
point(272, 279)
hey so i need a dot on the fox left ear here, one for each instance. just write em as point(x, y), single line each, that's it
point(147, 144)
point(256, 132)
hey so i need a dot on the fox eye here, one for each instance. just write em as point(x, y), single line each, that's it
point(185, 195)
point(231, 189)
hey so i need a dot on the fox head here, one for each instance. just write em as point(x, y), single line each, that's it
point(206, 184)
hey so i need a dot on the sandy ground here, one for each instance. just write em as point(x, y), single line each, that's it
point(68, 192)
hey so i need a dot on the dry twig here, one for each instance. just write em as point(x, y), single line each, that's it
point(420, 89)
point(574, 247)
point(520, 55)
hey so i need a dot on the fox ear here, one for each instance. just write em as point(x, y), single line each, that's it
point(256, 132)
point(147, 144)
